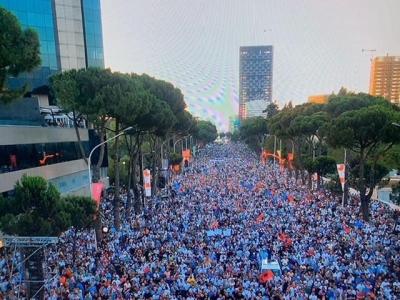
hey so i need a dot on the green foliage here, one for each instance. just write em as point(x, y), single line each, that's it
point(253, 128)
point(363, 124)
point(83, 212)
point(325, 165)
point(175, 159)
point(235, 136)
point(271, 110)
point(334, 185)
point(207, 132)
point(36, 209)
point(379, 171)
point(123, 171)
point(19, 52)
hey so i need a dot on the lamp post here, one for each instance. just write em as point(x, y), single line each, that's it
point(186, 137)
point(175, 144)
point(143, 155)
point(162, 146)
point(91, 152)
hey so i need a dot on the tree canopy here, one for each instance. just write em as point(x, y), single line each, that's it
point(360, 123)
point(207, 132)
point(37, 209)
point(19, 52)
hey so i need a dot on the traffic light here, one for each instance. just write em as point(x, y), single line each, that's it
point(186, 163)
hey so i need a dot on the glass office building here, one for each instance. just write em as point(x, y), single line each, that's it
point(255, 80)
point(70, 33)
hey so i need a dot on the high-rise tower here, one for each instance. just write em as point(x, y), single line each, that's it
point(255, 80)
point(385, 78)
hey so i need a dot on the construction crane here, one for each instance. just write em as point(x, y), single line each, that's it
point(369, 50)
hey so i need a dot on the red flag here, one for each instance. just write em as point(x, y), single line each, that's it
point(214, 225)
point(346, 228)
point(267, 276)
point(97, 188)
point(282, 237)
point(260, 218)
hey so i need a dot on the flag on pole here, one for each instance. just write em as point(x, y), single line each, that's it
point(341, 171)
point(267, 276)
point(147, 182)
point(346, 228)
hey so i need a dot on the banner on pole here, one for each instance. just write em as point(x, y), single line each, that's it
point(147, 182)
point(186, 154)
point(97, 189)
point(341, 168)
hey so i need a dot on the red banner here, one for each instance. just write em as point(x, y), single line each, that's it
point(187, 155)
point(97, 188)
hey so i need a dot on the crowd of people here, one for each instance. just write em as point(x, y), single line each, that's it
point(208, 238)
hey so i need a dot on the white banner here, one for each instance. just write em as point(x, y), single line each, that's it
point(147, 182)
point(341, 168)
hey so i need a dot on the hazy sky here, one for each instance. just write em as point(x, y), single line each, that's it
point(194, 44)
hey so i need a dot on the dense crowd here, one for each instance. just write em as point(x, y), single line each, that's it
point(207, 240)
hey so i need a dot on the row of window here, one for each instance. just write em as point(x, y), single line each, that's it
point(38, 6)
point(26, 156)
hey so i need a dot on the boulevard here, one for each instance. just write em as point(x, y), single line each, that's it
point(229, 214)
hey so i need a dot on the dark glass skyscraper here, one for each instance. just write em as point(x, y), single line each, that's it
point(255, 80)
point(70, 34)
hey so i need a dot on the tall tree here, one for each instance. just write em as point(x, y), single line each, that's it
point(271, 110)
point(84, 215)
point(127, 99)
point(85, 93)
point(19, 52)
point(207, 132)
point(252, 132)
point(36, 209)
point(366, 129)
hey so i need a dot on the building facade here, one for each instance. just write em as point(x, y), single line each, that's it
point(70, 34)
point(385, 78)
point(234, 124)
point(255, 80)
point(37, 138)
point(317, 98)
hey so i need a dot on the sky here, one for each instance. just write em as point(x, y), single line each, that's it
point(194, 44)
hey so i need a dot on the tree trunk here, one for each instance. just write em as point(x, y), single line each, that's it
point(363, 197)
point(319, 178)
point(97, 166)
point(117, 217)
point(78, 136)
point(154, 167)
point(309, 179)
point(130, 171)
point(365, 208)
point(138, 204)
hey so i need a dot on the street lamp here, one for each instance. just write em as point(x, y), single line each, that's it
point(186, 137)
point(162, 145)
point(91, 152)
point(175, 144)
point(143, 155)
point(396, 124)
